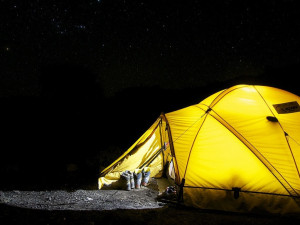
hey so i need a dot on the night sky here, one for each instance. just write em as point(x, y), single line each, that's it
point(71, 69)
point(169, 44)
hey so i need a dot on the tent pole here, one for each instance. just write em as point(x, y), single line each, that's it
point(177, 176)
point(180, 194)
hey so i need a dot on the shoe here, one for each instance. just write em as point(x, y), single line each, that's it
point(125, 177)
point(131, 180)
point(146, 176)
point(138, 178)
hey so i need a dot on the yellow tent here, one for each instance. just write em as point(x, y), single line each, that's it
point(237, 150)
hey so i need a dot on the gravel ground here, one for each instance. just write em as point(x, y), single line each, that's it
point(92, 207)
point(81, 199)
point(143, 198)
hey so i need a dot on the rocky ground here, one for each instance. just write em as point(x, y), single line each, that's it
point(138, 206)
point(82, 200)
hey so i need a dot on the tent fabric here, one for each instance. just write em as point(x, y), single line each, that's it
point(237, 150)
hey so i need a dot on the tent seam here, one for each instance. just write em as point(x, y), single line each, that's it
point(212, 104)
point(187, 163)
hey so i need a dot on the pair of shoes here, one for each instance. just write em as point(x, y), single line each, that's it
point(142, 177)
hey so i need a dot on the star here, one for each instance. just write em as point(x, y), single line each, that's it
point(81, 26)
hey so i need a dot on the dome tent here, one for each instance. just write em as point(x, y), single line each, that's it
point(237, 150)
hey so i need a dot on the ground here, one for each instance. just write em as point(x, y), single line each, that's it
point(138, 206)
point(81, 200)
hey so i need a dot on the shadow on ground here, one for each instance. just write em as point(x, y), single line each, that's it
point(165, 215)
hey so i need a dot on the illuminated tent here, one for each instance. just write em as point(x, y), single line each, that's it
point(237, 150)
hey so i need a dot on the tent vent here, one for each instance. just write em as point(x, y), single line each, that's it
point(272, 118)
point(236, 192)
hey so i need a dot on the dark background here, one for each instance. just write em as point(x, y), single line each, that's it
point(80, 81)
